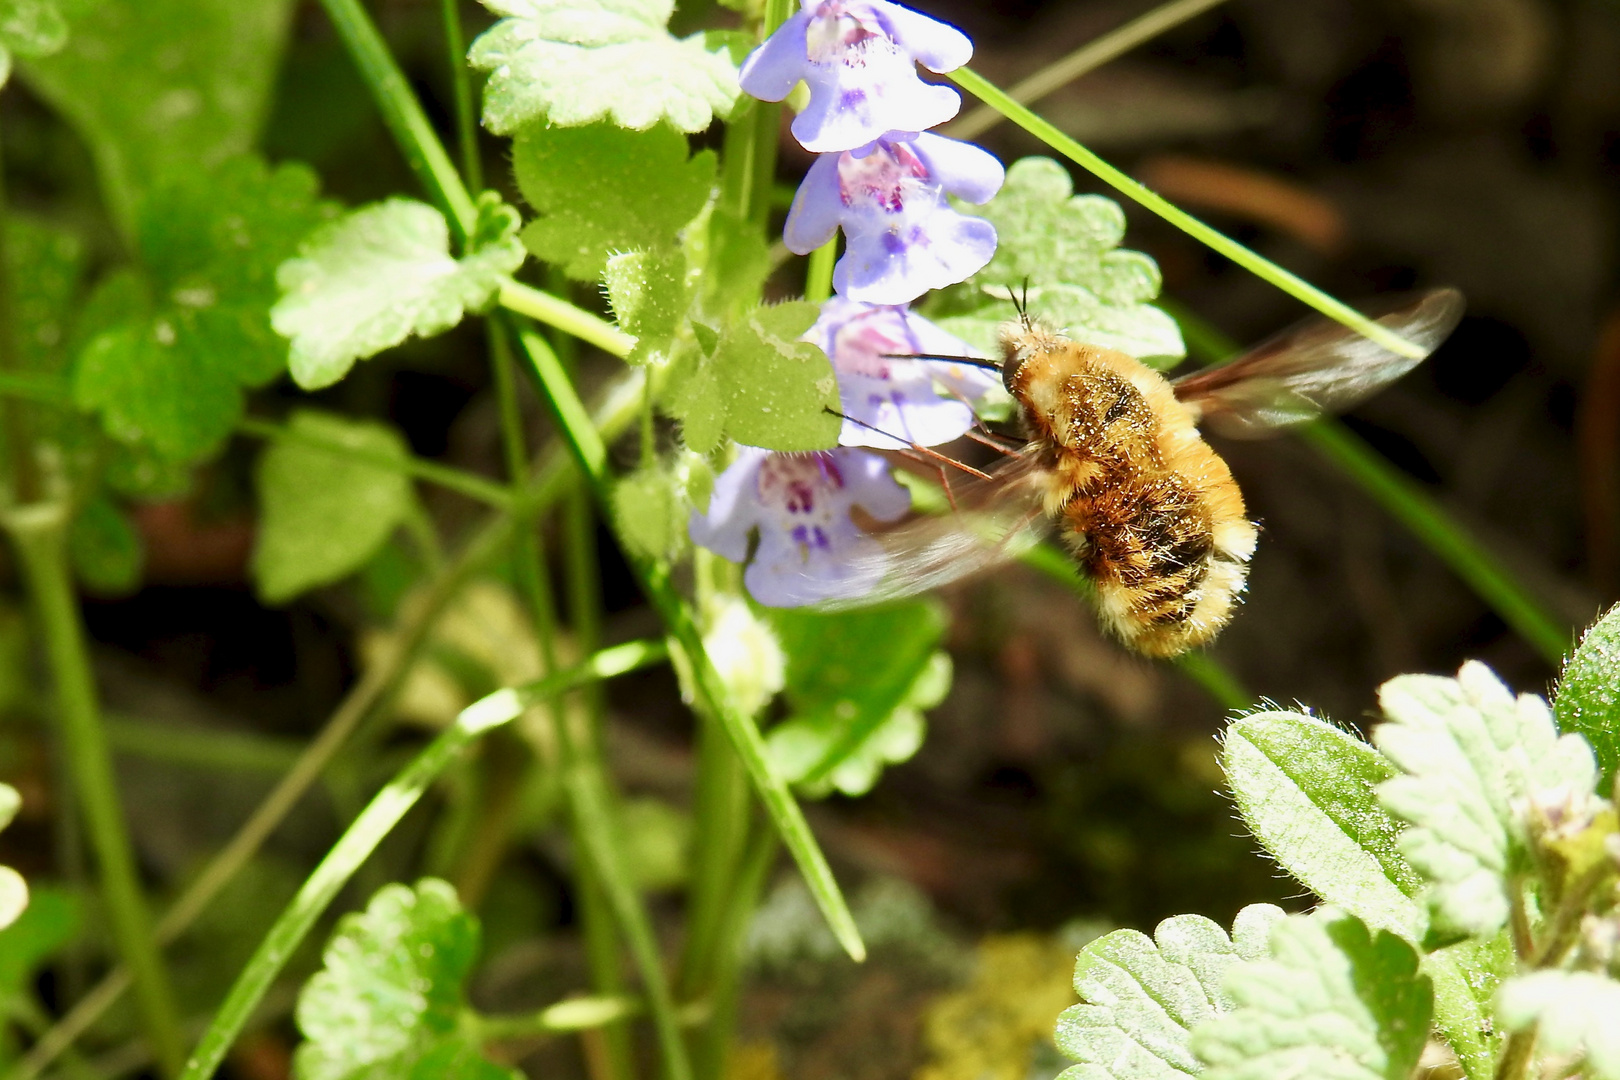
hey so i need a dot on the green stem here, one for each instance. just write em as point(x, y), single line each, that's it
point(39, 532)
point(575, 321)
point(818, 272)
point(384, 811)
point(726, 984)
point(457, 480)
point(455, 44)
point(403, 114)
point(1255, 263)
point(1414, 508)
point(576, 1014)
point(199, 747)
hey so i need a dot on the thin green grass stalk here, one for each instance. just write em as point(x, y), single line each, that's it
point(1088, 57)
point(200, 747)
point(1257, 264)
point(726, 981)
point(455, 44)
point(818, 272)
point(39, 534)
point(1416, 509)
point(384, 811)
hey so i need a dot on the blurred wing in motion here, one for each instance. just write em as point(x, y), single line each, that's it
point(993, 522)
point(1317, 367)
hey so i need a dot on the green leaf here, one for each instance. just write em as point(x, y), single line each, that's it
point(160, 88)
point(857, 684)
point(762, 386)
point(105, 547)
point(1575, 1013)
point(1333, 1000)
point(185, 338)
point(47, 271)
point(650, 295)
point(1066, 247)
point(1142, 997)
point(324, 515)
point(1306, 791)
point(650, 513)
point(376, 276)
point(601, 189)
point(1474, 759)
point(31, 28)
point(51, 921)
point(1588, 699)
point(589, 60)
point(388, 1001)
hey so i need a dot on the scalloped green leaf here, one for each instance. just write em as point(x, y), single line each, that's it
point(381, 274)
point(1333, 1000)
point(1141, 997)
point(1588, 699)
point(388, 1000)
point(589, 60)
point(1306, 791)
point(1473, 757)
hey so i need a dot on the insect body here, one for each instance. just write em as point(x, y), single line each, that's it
point(1152, 514)
point(1114, 457)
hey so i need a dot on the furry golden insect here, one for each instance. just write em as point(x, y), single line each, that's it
point(1113, 456)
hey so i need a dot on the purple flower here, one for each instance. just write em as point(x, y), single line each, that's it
point(902, 237)
point(809, 548)
point(860, 59)
point(896, 397)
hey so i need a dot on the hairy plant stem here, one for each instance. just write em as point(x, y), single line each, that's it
point(384, 811)
point(39, 534)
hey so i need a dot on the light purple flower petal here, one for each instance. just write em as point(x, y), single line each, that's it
point(962, 169)
point(817, 205)
point(772, 70)
point(859, 59)
point(809, 547)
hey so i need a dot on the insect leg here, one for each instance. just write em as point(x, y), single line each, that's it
point(993, 441)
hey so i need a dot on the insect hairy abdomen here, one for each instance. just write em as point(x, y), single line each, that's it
point(1151, 512)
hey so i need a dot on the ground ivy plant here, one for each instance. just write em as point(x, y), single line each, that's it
point(1468, 858)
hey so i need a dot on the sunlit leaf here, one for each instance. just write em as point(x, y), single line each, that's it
point(1141, 997)
point(1574, 1012)
point(1588, 698)
point(649, 293)
point(325, 514)
point(589, 60)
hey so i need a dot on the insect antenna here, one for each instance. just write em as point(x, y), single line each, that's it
point(972, 361)
point(1020, 302)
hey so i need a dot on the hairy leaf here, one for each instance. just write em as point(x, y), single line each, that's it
point(1588, 698)
point(1306, 791)
point(1474, 757)
point(184, 338)
point(650, 294)
point(601, 189)
point(1142, 997)
point(1333, 1000)
point(576, 63)
point(160, 88)
point(1575, 1013)
point(378, 275)
point(324, 514)
point(857, 684)
point(1065, 247)
point(388, 1001)
point(762, 386)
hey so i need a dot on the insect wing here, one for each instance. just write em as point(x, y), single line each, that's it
point(993, 522)
point(1318, 367)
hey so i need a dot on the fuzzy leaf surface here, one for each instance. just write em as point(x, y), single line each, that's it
point(602, 189)
point(1306, 791)
point(388, 1000)
point(159, 88)
point(1473, 757)
point(1575, 1012)
point(323, 514)
point(589, 60)
point(1333, 1000)
point(1066, 246)
point(189, 331)
point(377, 276)
point(1141, 997)
point(650, 296)
point(857, 684)
point(1588, 699)
point(762, 386)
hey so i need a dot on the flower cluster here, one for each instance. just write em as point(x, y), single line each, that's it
point(885, 180)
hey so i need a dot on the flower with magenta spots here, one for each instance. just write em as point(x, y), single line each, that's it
point(859, 58)
point(902, 237)
point(897, 401)
point(809, 548)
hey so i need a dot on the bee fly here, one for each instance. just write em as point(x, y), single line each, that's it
point(1114, 458)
